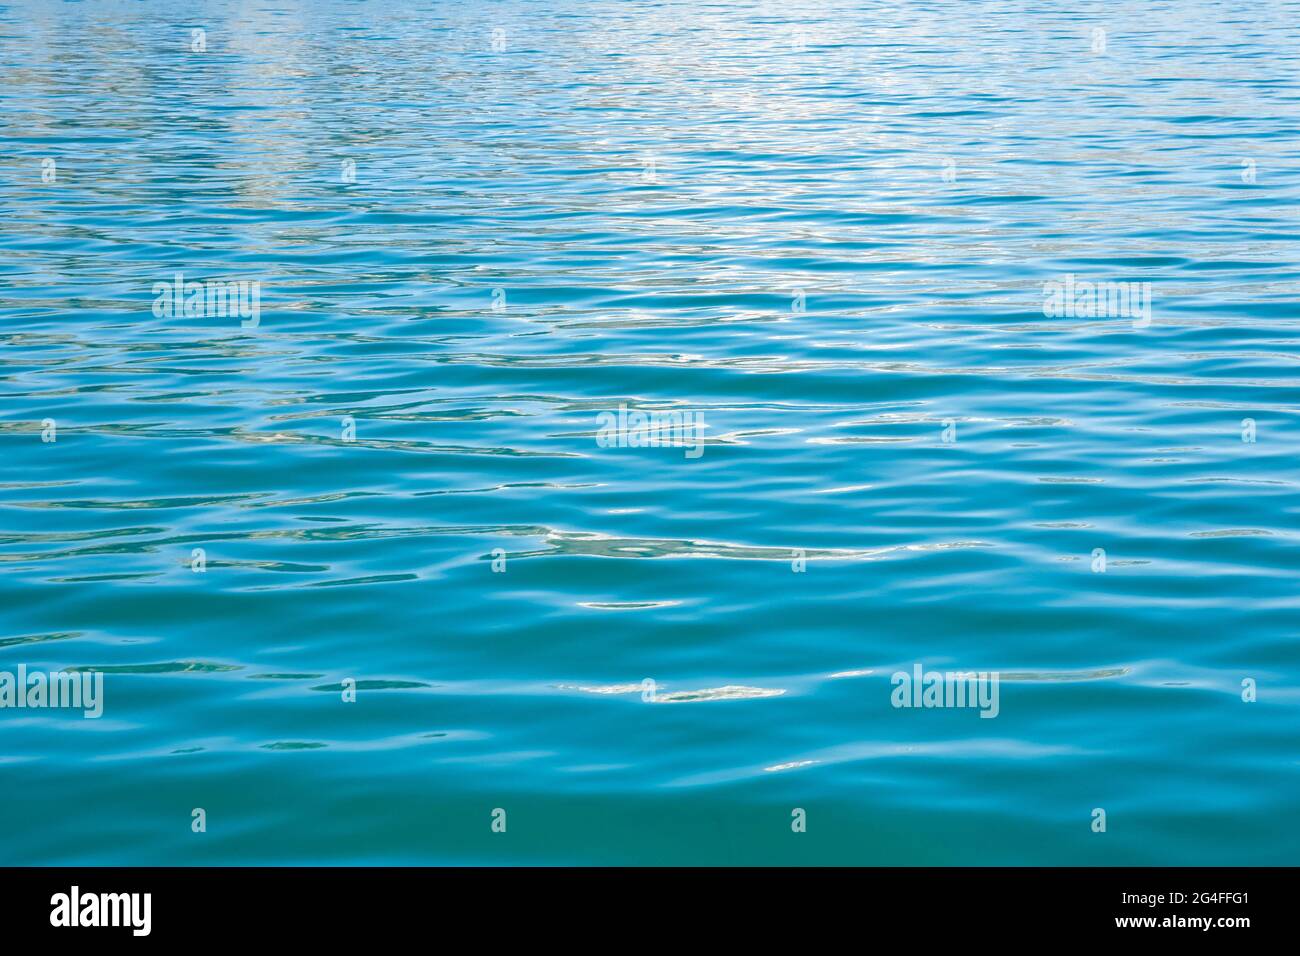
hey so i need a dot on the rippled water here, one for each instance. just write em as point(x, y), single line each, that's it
point(827, 230)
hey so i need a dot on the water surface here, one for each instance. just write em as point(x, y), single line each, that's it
point(826, 228)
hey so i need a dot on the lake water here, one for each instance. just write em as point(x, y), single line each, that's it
point(969, 332)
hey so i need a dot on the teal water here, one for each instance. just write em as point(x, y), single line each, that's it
point(824, 228)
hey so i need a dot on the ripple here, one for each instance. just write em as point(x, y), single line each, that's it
point(163, 667)
point(827, 234)
point(729, 692)
point(626, 605)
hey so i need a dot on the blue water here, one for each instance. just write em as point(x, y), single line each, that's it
point(824, 228)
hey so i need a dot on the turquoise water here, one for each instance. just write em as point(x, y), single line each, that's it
point(826, 230)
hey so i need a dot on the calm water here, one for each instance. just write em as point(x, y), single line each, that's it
point(826, 230)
